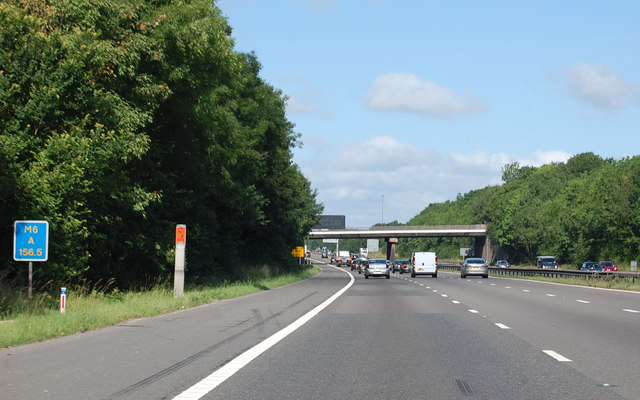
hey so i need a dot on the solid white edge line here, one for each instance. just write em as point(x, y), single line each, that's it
point(558, 357)
point(212, 381)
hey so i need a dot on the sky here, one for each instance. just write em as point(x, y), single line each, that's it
point(404, 103)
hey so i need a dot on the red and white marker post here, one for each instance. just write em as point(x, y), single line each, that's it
point(63, 300)
point(178, 277)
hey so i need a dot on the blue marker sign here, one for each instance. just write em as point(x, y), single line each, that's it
point(31, 241)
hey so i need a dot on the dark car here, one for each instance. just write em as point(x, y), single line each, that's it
point(547, 262)
point(357, 262)
point(405, 267)
point(592, 266)
point(400, 266)
point(608, 266)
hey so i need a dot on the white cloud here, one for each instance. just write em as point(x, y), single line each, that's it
point(352, 178)
point(540, 158)
point(302, 96)
point(297, 105)
point(597, 86)
point(407, 92)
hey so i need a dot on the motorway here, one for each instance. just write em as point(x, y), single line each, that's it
point(401, 338)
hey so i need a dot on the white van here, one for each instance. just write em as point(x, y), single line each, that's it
point(424, 263)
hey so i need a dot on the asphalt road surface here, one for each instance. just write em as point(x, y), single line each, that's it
point(402, 338)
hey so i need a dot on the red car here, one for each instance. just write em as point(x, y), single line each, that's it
point(608, 266)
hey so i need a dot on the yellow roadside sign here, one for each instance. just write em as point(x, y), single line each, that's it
point(298, 251)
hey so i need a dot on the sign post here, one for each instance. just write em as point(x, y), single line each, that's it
point(31, 243)
point(298, 252)
point(178, 278)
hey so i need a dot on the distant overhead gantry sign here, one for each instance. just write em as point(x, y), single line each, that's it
point(330, 222)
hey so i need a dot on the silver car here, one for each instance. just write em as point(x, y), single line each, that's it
point(377, 267)
point(474, 266)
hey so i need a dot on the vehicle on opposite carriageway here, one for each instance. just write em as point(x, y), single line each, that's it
point(547, 262)
point(608, 266)
point(592, 266)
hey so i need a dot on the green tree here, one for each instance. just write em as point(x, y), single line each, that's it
point(119, 120)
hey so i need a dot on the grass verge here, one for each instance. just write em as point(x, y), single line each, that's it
point(93, 310)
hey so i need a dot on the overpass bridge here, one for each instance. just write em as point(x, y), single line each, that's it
point(392, 233)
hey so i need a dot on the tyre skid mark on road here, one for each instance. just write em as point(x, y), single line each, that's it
point(220, 375)
point(169, 370)
point(464, 387)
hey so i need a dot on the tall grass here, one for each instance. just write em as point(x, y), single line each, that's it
point(100, 305)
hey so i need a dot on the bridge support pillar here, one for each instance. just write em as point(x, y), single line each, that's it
point(485, 249)
point(391, 249)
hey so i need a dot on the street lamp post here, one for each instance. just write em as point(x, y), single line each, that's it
point(383, 209)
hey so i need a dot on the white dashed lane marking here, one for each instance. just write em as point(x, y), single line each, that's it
point(557, 356)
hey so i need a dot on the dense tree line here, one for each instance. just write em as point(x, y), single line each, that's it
point(121, 119)
point(585, 209)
